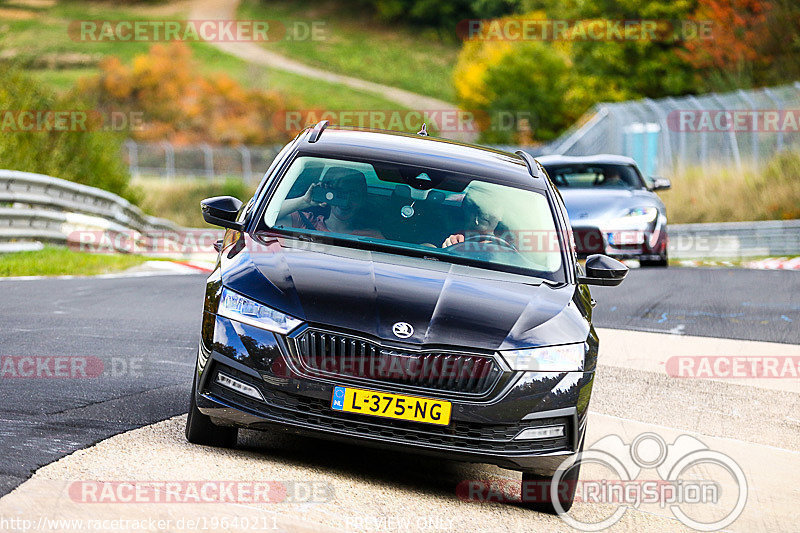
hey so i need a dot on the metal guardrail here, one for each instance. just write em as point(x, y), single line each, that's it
point(734, 239)
point(35, 207)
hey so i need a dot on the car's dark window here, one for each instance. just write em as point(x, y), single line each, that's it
point(607, 176)
point(417, 209)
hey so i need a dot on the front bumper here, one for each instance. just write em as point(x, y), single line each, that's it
point(647, 244)
point(480, 431)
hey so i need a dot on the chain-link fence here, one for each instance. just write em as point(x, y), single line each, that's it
point(664, 136)
point(669, 135)
point(165, 160)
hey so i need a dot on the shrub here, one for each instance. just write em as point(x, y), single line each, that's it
point(177, 103)
point(531, 80)
point(89, 156)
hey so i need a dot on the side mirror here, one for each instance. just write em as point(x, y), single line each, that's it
point(660, 184)
point(603, 270)
point(222, 211)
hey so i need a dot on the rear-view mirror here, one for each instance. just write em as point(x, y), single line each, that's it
point(660, 184)
point(222, 211)
point(603, 270)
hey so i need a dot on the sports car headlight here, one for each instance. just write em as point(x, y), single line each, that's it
point(564, 358)
point(638, 218)
point(644, 215)
point(237, 307)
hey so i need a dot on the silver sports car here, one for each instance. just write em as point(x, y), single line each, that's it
point(613, 210)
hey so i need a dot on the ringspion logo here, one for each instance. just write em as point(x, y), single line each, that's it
point(688, 481)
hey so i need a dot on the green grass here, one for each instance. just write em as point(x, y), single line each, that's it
point(62, 80)
point(303, 93)
point(768, 191)
point(179, 199)
point(46, 33)
point(58, 261)
point(357, 45)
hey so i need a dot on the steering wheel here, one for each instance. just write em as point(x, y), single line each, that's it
point(494, 239)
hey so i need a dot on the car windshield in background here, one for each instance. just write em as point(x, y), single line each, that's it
point(589, 176)
point(441, 213)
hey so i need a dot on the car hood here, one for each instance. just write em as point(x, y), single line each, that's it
point(367, 292)
point(592, 204)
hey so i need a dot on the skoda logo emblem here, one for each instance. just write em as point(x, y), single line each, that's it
point(402, 330)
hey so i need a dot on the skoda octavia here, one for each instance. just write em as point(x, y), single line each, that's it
point(405, 292)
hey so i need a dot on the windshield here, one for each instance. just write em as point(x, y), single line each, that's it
point(590, 176)
point(440, 213)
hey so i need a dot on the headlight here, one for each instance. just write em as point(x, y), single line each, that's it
point(644, 215)
point(638, 218)
point(236, 307)
point(564, 358)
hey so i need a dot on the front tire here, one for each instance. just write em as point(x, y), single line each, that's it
point(540, 490)
point(201, 430)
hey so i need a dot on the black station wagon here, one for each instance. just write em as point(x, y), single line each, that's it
point(405, 292)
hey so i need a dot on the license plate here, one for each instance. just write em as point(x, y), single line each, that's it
point(398, 406)
point(621, 238)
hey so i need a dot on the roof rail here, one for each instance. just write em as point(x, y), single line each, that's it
point(530, 162)
point(317, 130)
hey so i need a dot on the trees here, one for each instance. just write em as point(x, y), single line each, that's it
point(505, 85)
point(755, 42)
point(556, 78)
point(177, 103)
point(731, 57)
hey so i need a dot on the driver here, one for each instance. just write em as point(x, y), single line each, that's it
point(349, 218)
point(613, 179)
point(482, 215)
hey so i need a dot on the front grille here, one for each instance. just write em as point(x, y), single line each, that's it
point(462, 436)
point(588, 241)
point(342, 355)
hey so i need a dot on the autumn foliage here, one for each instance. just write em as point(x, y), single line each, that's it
point(177, 103)
point(739, 29)
point(755, 42)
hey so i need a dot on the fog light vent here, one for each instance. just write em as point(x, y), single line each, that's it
point(547, 432)
point(240, 387)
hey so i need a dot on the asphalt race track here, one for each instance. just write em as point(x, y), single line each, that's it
point(708, 302)
point(145, 331)
point(142, 334)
